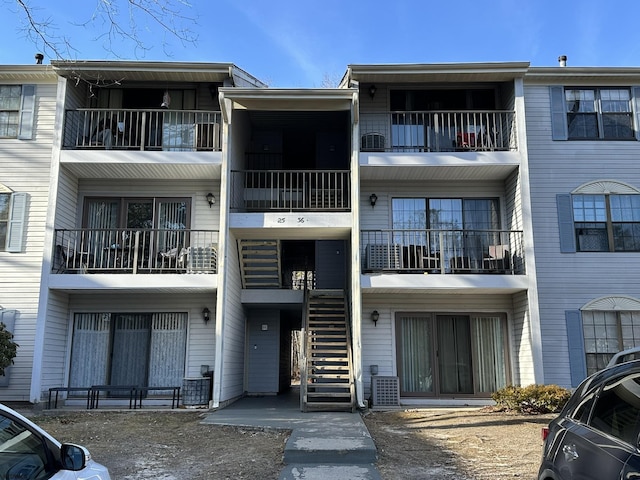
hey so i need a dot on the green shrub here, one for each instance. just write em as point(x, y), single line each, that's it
point(8, 348)
point(533, 399)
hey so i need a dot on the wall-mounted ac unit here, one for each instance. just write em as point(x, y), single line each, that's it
point(385, 391)
point(380, 257)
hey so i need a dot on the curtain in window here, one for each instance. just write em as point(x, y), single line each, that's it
point(172, 221)
point(167, 351)
point(454, 354)
point(130, 351)
point(415, 352)
point(491, 362)
point(89, 349)
point(101, 224)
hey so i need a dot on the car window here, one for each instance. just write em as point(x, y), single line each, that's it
point(617, 408)
point(583, 408)
point(23, 455)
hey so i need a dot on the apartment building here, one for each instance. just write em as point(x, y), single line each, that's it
point(423, 228)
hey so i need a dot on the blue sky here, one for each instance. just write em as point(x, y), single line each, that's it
point(299, 43)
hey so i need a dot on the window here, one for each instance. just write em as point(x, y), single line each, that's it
point(452, 228)
point(451, 355)
point(606, 333)
point(615, 412)
point(599, 113)
point(145, 349)
point(10, 96)
point(605, 222)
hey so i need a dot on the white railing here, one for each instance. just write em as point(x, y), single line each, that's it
point(438, 131)
point(135, 251)
point(289, 190)
point(173, 130)
point(443, 251)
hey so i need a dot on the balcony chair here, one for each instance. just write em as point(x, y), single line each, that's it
point(72, 261)
point(498, 260)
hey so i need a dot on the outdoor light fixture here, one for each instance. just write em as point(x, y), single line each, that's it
point(211, 199)
point(374, 317)
point(206, 314)
point(373, 198)
point(372, 91)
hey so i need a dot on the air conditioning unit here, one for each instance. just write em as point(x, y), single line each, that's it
point(385, 391)
point(381, 257)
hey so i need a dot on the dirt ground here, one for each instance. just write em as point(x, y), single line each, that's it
point(438, 444)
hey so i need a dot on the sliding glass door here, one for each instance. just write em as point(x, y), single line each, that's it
point(451, 355)
point(142, 349)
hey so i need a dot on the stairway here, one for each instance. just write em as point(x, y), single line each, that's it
point(327, 379)
point(260, 263)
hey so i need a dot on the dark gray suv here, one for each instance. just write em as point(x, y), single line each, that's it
point(596, 434)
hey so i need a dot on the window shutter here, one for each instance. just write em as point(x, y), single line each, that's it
point(558, 115)
point(575, 343)
point(27, 112)
point(635, 91)
point(566, 228)
point(8, 317)
point(17, 220)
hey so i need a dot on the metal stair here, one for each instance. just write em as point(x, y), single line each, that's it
point(260, 263)
point(327, 379)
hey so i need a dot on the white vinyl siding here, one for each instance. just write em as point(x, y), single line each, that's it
point(26, 171)
point(233, 334)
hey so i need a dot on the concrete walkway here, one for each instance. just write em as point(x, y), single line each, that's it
point(322, 445)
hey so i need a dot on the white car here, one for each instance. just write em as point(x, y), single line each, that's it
point(29, 453)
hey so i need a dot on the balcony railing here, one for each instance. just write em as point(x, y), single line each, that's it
point(443, 251)
point(135, 251)
point(172, 130)
point(288, 190)
point(438, 131)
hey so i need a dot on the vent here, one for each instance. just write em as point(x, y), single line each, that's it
point(385, 391)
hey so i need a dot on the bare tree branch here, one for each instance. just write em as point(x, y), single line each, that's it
point(118, 23)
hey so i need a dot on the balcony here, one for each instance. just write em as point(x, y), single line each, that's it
point(443, 251)
point(135, 251)
point(438, 131)
point(288, 190)
point(150, 130)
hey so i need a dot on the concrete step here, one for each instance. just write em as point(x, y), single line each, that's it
point(328, 443)
point(333, 472)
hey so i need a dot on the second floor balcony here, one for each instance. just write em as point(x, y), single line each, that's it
point(438, 131)
point(291, 190)
point(135, 251)
point(150, 130)
point(443, 251)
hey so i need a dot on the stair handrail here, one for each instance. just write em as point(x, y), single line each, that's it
point(303, 361)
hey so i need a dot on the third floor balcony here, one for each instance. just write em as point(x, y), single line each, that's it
point(146, 130)
point(438, 131)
